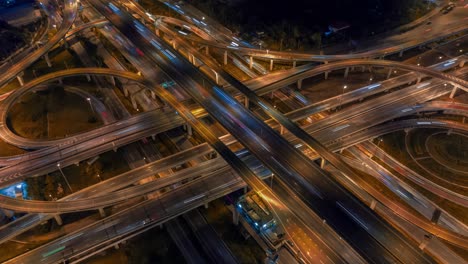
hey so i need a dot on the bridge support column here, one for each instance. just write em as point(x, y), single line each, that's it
point(112, 80)
point(373, 204)
point(174, 45)
point(346, 72)
point(281, 129)
point(216, 77)
point(436, 215)
point(299, 84)
point(462, 63)
point(326, 75)
point(60, 81)
point(207, 50)
point(401, 54)
point(125, 91)
point(294, 64)
point(251, 62)
point(323, 162)
point(225, 57)
point(58, 219)
point(153, 95)
point(425, 242)
point(271, 65)
point(449, 132)
point(20, 78)
point(46, 57)
point(189, 130)
point(454, 90)
point(88, 77)
point(235, 217)
point(419, 79)
point(134, 103)
point(363, 68)
point(157, 32)
point(206, 205)
point(246, 102)
point(116, 246)
point(102, 212)
point(153, 137)
point(389, 73)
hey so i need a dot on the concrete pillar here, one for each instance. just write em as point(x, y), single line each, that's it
point(225, 57)
point(216, 77)
point(436, 215)
point(462, 63)
point(425, 242)
point(174, 45)
point(134, 103)
point(363, 68)
point(46, 57)
point(389, 73)
point(281, 130)
point(206, 205)
point(294, 64)
point(60, 81)
point(299, 84)
point(454, 90)
point(157, 32)
point(373, 204)
point(58, 219)
point(207, 50)
point(153, 137)
point(346, 72)
point(449, 132)
point(246, 102)
point(235, 217)
point(88, 77)
point(20, 78)
point(251, 62)
point(189, 130)
point(418, 80)
point(125, 91)
point(102, 212)
point(116, 246)
point(326, 75)
point(401, 54)
point(190, 57)
point(153, 94)
point(271, 65)
point(323, 162)
point(112, 80)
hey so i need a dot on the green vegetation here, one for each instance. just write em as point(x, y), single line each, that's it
point(48, 114)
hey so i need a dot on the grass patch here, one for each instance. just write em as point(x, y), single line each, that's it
point(48, 115)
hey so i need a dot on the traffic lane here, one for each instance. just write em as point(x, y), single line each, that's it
point(177, 62)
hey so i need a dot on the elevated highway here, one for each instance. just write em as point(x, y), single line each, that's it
point(10, 71)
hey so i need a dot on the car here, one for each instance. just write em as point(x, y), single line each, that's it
point(428, 23)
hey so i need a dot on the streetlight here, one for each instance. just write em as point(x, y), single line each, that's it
point(65, 178)
point(90, 105)
point(342, 94)
point(99, 176)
